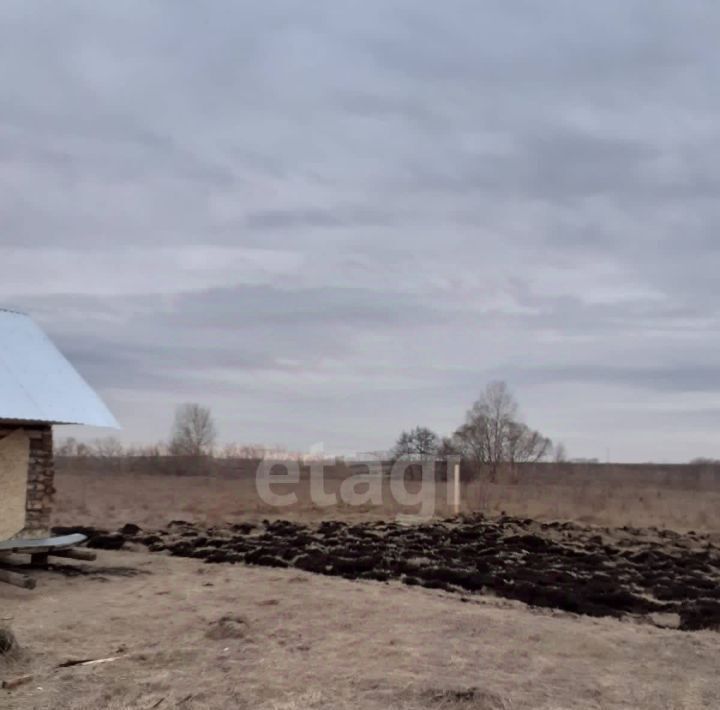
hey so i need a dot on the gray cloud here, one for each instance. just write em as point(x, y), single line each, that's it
point(333, 220)
point(679, 378)
point(337, 217)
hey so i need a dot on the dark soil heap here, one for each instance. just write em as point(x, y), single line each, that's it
point(598, 572)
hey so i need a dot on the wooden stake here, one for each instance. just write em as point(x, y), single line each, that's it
point(72, 554)
point(17, 580)
point(456, 488)
point(16, 682)
point(88, 662)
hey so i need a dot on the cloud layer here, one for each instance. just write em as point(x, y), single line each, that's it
point(333, 220)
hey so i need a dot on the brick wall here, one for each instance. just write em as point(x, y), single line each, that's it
point(40, 477)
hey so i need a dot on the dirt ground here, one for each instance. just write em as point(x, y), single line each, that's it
point(585, 570)
point(192, 635)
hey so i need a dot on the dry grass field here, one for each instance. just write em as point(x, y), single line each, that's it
point(108, 499)
point(193, 636)
point(223, 637)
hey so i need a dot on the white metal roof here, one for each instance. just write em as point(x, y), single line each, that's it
point(38, 384)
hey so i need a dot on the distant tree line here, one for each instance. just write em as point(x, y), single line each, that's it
point(491, 435)
point(193, 436)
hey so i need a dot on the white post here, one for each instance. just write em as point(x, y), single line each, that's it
point(456, 488)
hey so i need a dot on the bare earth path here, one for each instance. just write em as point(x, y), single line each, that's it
point(291, 640)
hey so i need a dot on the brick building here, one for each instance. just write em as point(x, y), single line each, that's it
point(39, 388)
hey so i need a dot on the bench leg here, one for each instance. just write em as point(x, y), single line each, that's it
point(39, 559)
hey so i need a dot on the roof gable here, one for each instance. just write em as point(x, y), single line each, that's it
point(38, 384)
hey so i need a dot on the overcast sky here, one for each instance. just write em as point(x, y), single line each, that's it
point(332, 220)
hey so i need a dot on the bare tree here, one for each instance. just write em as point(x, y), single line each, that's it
point(403, 446)
point(426, 441)
point(150, 451)
point(68, 447)
point(471, 440)
point(233, 450)
point(560, 453)
point(419, 442)
point(193, 432)
point(107, 448)
point(449, 446)
point(525, 445)
point(488, 427)
point(111, 452)
point(492, 433)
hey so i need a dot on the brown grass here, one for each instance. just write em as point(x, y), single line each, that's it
point(615, 498)
point(331, 644)
point(205, 637)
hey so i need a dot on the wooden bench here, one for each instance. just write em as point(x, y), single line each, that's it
point(40, 550)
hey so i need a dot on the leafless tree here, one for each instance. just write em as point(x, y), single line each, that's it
point(107, 448)
point(492, 433)
point(471, 440)
point(419, 442)
point(193, 432)
point(488, 424)
point(110, 451)
point(403, 446)
point(67, 447)
point(233, 450)
point(704, 461)
point(560, 453)
point(525, 445)
point(150, 451)
point(230, 451)
point(449, 446)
